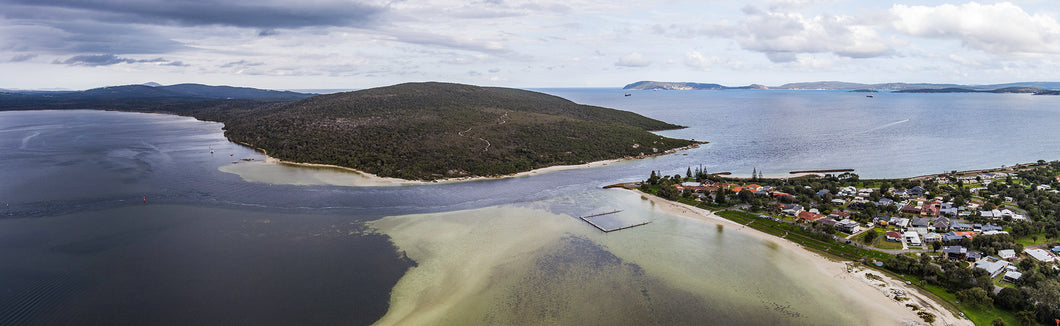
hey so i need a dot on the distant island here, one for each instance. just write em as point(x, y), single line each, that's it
point(653, 85)
point(414, 131)
point(1038, 88)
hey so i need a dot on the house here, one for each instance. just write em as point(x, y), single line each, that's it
point(1044, 187)
point(838, 201)
point(848, 226)
point(948, 209)
point(919, 222)
point(932, 237)
point(951, 236)
point(965, 234)
point(839, 215)
point(960, 226)
point(1012, 277)
point(894, 236)
point(992, 266)
point(910, 209)
point(912, 238)
point(994, 232)
point(1056, 250)
point(881, 220)
point(995, 214)
point(791, 209)
point(955, 252)
point(823, 192)
point(1040, 255)
point(884, 202)
point(848, 191)
point(827, 221)
point(942, 224)
point(931, 210)
point(809, 217)
point(900, 222)
point(1006, 254)
point(974, 256)
point(916, 191)
point(990, 227)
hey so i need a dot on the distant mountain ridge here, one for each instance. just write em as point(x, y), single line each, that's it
point(838, 85)
point(154, 90)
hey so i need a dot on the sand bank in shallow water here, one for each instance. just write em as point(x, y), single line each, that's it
point(527, 265)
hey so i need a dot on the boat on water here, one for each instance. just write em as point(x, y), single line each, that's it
point(870, 95)
point(628, 94)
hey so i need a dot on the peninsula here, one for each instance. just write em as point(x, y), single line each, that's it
point(413, 131)
point(430, 131)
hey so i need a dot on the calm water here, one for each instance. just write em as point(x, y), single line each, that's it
point(79, 242)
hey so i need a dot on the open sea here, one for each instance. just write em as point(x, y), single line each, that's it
point(128, 218)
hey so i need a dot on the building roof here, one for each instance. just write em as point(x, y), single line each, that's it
point(1040, 255)
point(954, 250)
point(1006, 253)
point(991, 266)
point(810, 216)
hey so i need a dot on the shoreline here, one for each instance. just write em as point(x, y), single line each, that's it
point(377, 180)
point(876, 291)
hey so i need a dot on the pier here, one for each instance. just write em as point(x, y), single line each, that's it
point(586, 218)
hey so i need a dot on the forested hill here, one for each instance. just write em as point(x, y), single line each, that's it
point(430, 131)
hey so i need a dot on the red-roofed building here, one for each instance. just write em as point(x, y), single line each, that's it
point(893, 236)
point(810, 217)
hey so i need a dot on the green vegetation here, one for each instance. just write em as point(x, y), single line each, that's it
point(420, 131)
point(435, 130)
point(1024, 189)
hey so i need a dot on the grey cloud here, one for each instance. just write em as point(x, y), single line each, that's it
point(253, 14)
point(22, 57)
point(72, 37)
point(95, 60)
point(242, 63)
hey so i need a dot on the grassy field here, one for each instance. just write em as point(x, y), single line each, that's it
point(802, 237)
point(882, 243)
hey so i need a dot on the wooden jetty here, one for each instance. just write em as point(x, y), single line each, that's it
point(606, 230)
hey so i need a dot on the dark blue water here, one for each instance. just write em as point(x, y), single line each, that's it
point(79, 243)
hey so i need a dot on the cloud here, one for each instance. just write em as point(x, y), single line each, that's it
point(1001, 28)
point(244, 13)
point(22, 57)
point(95, 60)
point(781, 34)
point(696, 60)
point(633, 60)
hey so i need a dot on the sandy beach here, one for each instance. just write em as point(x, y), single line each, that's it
point(878, 290)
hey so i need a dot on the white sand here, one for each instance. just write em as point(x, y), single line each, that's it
point(859, 286)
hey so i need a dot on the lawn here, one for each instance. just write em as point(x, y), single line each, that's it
point(1029, 240)
point(882, 243)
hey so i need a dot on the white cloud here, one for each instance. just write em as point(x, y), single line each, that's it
point(634, 59)
point(696, 60)
point(1001, 28)
point(781, 34)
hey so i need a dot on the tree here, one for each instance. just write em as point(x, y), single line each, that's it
point(935, 246)
point(1025, 317)
point(688, 173)
point(869, 236)
point(976, 297)
point(668, 191)
point(998, 322)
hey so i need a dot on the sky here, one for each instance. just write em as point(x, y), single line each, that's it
point(329, 44)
